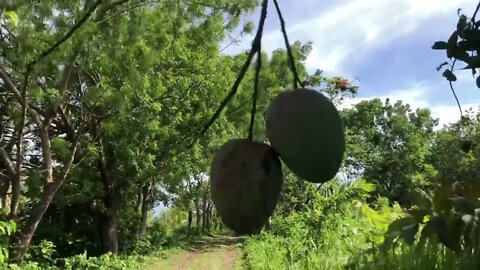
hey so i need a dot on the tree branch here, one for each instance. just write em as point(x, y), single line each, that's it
point(453, 90)
point(289, 49)
point(7, 162)
point(107, 7)
point(246, 65)
point(68, 166)
point(255, 93)
point(475, 13)
point(11, 86)
point(67, 35)
point(102, 19)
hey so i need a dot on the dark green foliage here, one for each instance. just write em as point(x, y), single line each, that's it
point(462, 45)
point(304, 127)
point(246, 179)
point(335, 230)
point(389, 144)
point(452, 222)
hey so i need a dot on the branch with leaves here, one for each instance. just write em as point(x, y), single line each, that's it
point(256, 49)
point(462, 45)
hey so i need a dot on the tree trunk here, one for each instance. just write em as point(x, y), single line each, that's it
point(214, 219)
point(268, 224)
point(108, 219)
point(24, 236)
point(16, 181)
point(138, 204)
point(190, 217)
point(204, 211)
point(198, 213)
point(209, 216)
point(15, 198)
point(108, 232)
point(4, 192)
point(145, 208)
point(13, 173)
point(107, 226)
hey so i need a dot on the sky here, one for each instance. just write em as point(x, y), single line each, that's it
point(385, 44)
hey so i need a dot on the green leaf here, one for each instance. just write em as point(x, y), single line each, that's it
point(472, 35)
point(12, 18)
point(441, 202)
point(449, 75)
point(462, 205)
point(419, 214)
point(398, 224)
point(388, 241)
point(61, 147)
point(452, 44)
point(427, 232)
point(473, 62)
point(441, 66)
point(462, 25)
point(467, 45)
point(440, 45)
point(248, 27)
point(461, 55)
point(409, 232)
point(448, 231)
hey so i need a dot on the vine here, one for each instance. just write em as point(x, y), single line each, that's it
point(255, 49)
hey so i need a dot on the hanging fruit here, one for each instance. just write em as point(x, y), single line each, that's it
point(246, 179)
point(305, 129)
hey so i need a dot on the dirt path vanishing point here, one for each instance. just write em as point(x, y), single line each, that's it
point(219, 252)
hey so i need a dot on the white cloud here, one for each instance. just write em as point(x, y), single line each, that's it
point(348, 30)
point(416, 97)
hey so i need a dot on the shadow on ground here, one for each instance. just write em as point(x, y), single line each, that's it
point(209, 243)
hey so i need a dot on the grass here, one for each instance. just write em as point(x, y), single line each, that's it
point(166, 260)
point(218, 252)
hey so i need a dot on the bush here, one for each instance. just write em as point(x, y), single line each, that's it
point(81, 261)
point(104, 262)
point(338, 231)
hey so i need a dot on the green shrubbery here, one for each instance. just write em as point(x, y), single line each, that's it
point(81, 261)
point(338, 230)
point(342, 231)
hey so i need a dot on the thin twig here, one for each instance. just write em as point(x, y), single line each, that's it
point(239, 107)
point(68, 35)
point(132, 7)
point(475, 13)
point(234, 40)
point(453, 91)
point(233, 91)
point(289, 49)
point(204, 4)
point(456, 98)
point(255, 92)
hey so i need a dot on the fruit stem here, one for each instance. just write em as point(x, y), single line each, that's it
point(289, 49)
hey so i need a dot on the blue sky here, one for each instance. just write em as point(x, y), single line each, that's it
point(385, 43)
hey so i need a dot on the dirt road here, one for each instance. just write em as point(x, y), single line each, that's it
point(220, 252)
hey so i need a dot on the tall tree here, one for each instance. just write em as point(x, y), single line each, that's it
point(388, 145)
point(106, 88)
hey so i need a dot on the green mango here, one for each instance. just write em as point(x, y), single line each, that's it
point(246, 179)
